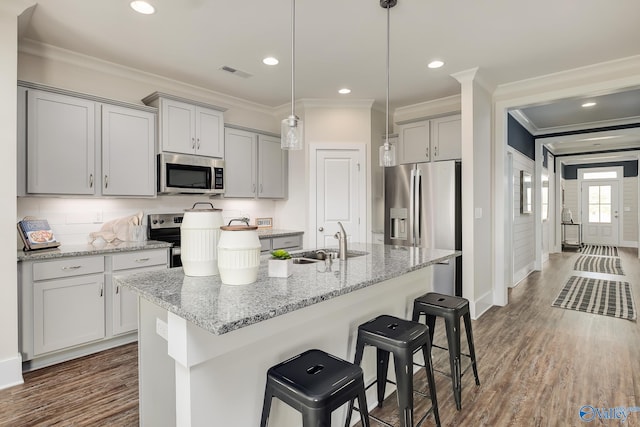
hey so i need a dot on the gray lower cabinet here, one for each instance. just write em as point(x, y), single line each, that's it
point(70, 307)
point(290, 243)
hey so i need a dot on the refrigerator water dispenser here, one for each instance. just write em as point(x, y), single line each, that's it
point(398, 226)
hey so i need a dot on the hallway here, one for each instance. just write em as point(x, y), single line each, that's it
point(538, 366)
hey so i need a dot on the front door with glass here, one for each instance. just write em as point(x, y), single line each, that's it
point(600, 212)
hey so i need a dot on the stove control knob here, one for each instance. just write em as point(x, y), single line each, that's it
point(155, 221)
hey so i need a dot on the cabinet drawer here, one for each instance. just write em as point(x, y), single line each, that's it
point(139, 259)
point(265, 245)
point(286, 242)
point(67, 267)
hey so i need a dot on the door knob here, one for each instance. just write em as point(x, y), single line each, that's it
point(321, 229)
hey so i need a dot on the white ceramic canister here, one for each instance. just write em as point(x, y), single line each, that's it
point(199, 235)
point(238, 253)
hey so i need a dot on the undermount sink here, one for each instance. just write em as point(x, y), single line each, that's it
point(318, 255)
point(305, 261)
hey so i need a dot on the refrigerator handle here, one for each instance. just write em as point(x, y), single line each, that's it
point(412, 204)
point(417, 181)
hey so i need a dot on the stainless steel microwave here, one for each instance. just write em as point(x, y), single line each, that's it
point(184, 173)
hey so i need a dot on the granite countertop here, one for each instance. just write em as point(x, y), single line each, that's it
point(219, 308)
point(266, 233)
point(84, 250)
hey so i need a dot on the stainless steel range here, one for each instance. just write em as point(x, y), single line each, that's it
point(166, 228)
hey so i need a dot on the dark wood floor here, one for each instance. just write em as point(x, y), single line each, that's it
point(538, 366)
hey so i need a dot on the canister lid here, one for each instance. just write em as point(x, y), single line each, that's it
point(203, 209)
point(238, 227)
point(245, 227)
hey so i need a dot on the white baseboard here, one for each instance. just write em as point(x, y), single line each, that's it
point(481, 305)
point(628, 244)
point(11, 372)
point(521, 274)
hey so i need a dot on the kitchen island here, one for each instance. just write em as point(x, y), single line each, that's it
point(205, 347)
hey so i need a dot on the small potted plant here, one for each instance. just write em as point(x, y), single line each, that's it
point(280, 264)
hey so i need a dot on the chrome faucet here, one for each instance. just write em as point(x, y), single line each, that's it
point(342, 242)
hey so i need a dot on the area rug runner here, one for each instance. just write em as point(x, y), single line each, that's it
point(598, 264)
point(606, 297)
point(602, 250)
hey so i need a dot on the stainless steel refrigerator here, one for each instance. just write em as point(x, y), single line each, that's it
point(423, 208)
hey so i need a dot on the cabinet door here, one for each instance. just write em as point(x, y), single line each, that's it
point(272, 168)
point(177, 123)
point(446, 138)
point(128, 140)
point(209, 132)
point(414, 142)
point(68, 312)
point(125, 302)
point(240, 163)
point(60, 144)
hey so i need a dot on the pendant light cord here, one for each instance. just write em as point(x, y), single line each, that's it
point(293, 56)
point(386, 140)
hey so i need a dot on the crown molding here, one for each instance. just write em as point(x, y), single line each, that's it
point(16, 7)
point(333, 103)
point(428, 109)
point(54, 53)
point(623, 69)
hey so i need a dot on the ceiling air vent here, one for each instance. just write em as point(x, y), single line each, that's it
point(235, 72)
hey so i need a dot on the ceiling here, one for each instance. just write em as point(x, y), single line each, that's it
point(341, 43)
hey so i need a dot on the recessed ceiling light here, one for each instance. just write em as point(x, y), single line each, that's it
point(142, 7)
point(435, 64)
point(588, 104)
point(344, 91)
point(270, 60)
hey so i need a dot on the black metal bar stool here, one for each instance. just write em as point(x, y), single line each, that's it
point(402, 338)
point(451, 308)
point(315, 383)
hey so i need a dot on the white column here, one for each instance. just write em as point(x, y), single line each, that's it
point(477, 208)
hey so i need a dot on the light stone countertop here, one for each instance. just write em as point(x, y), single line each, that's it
point(220, 308)
point(86, 250)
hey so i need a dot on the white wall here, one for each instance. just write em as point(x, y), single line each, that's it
point(10, 360)
point(325, 122)
point(523, 245)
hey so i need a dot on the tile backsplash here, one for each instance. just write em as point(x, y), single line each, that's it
point(72, 219)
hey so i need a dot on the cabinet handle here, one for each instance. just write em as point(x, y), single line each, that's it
point(143, 259)
point(90, 180)
point(101, 290)
point(117, 289)
point(198, 143)
point(253, 188)
point(72, 267)
point(427, 151)
point(106, 181)
point(193, 143)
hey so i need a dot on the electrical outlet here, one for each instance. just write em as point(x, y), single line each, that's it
point(162, 328)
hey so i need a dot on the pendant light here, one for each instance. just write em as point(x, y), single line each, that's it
point(291, 129)
point(387, 152)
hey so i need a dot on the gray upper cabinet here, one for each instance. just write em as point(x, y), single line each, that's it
point(446, 138)
point(272, 168)
point(414, 142)
point(240, 164)
point(81, 146)
point(255, 166)
point(188, 127)
point(430, 140)
point(61, 142)
point(127, 152)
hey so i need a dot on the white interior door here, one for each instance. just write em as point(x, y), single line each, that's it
point(340, 194)
point(600, 212)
